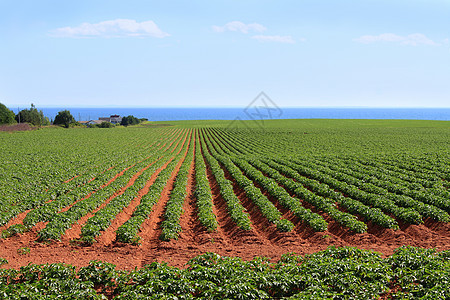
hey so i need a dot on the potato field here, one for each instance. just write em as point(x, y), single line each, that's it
point(126, 198)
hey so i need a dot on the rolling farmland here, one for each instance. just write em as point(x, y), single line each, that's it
point(132, 196)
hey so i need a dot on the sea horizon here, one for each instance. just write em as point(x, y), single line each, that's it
point(249, 113)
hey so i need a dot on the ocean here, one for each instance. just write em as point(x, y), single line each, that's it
point(173, 114)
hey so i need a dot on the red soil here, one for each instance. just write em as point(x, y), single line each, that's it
point(69, 180)
point(93, 192)
point(228, 240)
point(75, 231)
point(17, 127)
point(109, 235)
point(151, 229)
point(16, 220)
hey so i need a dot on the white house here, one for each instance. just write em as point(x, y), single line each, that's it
point(114, 119)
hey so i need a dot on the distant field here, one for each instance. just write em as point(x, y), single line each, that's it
point(169, 192)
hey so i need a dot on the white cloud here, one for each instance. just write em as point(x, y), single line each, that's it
point(275, 38)
point(411, 39)
point(239, 26)
point(112, 28)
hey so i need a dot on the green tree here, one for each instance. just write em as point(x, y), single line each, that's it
point(64, 118)
point(6, 115)
point(105, 125)
point(130, 120)
point(32, 116)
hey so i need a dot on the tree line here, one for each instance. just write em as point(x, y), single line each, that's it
point(31, 115)
point(63, 118)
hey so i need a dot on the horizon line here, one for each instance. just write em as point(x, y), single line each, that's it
point(240, 107)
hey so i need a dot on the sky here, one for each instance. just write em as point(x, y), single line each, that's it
point(223, 53)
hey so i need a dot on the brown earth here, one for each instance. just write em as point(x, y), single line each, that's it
point(227, 241)
point(262, 240)
point(17, 127)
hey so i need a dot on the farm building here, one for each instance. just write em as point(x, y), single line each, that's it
point(90, 122)
point(114, 119)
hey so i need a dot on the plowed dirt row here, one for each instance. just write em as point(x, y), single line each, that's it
point(335, 231)
point(429, 234)
point(109, 235)
point(151, 229)
point(19, 218)
point(226, 228)
point(228, 240)
point(75, 231)
point(225, 242)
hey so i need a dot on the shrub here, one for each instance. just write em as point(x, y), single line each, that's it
point(64, 118)
point(6, 115)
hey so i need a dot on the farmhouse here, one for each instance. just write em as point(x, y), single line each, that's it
point(90, 122)
point(114, 119)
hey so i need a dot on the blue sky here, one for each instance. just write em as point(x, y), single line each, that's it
point(224, 53)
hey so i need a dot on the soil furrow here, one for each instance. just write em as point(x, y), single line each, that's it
point(93, 192)
point(189, 220)
point(151, 228)
point(75, 231)
point(228, 231)
point(16, 220)
point(69, 180)
point(19, 218)
point(291, 238)
point(265, 232)
point(109, 235)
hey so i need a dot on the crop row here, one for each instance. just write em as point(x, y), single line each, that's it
point(334, 273)
point(373, 197)
point(203, 190)
point(281, 195)
point(64, 220)
point(413, 180)
point(128, 232)
point(424, 165)
point(324, 204)
point(424, 168)
point(226, 144)
point(411, 201)
point(50, 208)
point(390, 190)
point(234, 206)
point(33, 167)
point(407, 214)
point(353, 206)
point(404, 207)
point(428, 187)
point(85, 167)
point(171, 226)
point(102, 218)
point(267, 208)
